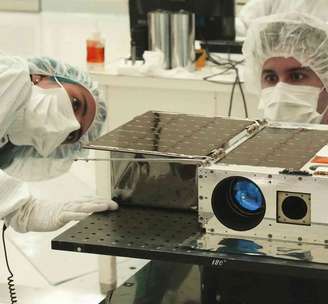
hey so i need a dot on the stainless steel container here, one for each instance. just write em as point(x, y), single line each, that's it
point(182, 39)
point(159, 34)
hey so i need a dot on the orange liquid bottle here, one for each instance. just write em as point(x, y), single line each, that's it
point(95, 51)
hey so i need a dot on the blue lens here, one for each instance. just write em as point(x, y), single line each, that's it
point(247, 195)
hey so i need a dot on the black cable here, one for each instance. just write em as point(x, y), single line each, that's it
point(209, 56)
point(207, 78)
point(109, 296)
point(231, 97)
point(242, 94)
point(230, 65)
point(10, 279)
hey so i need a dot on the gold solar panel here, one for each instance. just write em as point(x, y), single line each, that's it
point(166, 134)
point(276, 147)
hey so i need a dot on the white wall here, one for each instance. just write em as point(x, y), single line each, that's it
point(20, 33)
point(86, 6)
point(77, 6)
point(20, 5)
point(96, 6)
point(62, 35)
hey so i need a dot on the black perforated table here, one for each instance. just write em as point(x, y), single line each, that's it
point(169, 235)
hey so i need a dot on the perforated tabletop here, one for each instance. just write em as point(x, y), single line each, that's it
point(169, 235)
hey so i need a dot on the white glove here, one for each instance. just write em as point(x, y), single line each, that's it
point(48, 216)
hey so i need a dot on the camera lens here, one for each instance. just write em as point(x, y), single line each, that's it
point(238, 203)
point(247, 195)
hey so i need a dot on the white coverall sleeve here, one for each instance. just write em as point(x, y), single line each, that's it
point(252, 9)
point(24, 213)
point(13, 195)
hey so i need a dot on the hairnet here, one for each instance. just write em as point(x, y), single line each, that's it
point(296, 35)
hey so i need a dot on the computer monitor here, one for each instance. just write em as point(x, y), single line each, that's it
point(215, 19)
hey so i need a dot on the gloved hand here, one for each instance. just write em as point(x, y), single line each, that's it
point(48, 216)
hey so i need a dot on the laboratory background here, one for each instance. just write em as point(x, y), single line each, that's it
point(95, 35)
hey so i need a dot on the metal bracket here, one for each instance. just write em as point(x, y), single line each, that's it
point(255, 127)
point(156, 160)
point(292, 171)
point(219, 153)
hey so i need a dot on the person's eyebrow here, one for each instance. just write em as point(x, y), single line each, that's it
point(300, 69)
point(266, 71)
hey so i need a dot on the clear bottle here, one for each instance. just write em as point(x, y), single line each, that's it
point(95, 51)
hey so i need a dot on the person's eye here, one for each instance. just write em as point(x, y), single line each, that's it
point(76, 103)
point(270, 78)
point(297, 76)
point(71, 137)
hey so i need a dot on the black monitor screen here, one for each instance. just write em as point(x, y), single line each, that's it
point(215, 19)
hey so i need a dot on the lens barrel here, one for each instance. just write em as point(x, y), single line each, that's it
point(238, 203)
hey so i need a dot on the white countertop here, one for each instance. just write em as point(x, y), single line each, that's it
point(160, 83)
point(122, 74)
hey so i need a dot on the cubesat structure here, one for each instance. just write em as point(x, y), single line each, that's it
point(245, 178)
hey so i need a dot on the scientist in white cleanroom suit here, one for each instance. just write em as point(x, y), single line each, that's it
point(259, 8)
point(47, 111)
point(287, 67)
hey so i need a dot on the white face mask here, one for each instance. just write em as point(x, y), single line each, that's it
point(45, 121)
point(291, 103)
